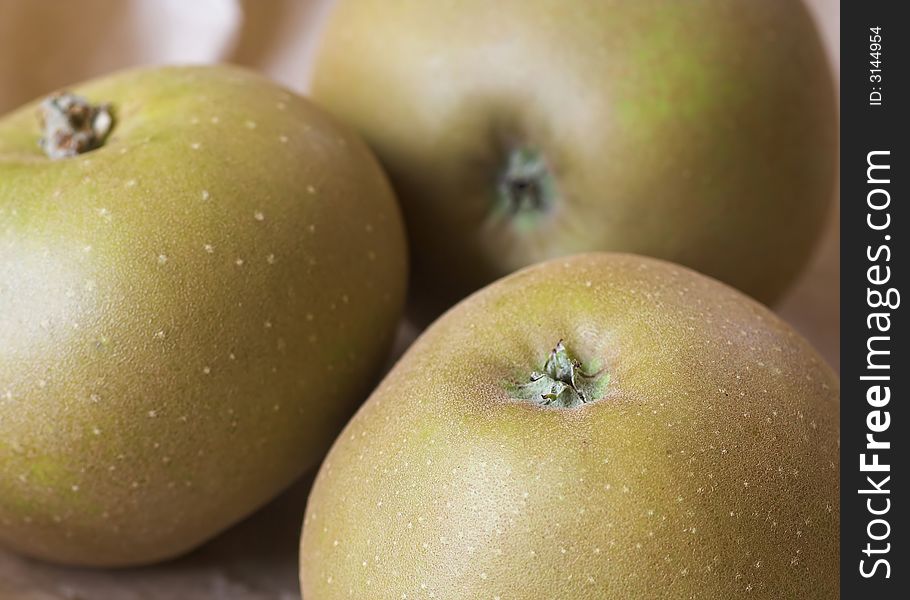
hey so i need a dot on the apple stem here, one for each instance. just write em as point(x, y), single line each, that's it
point(562, 383)
point(526, 184)
point(72, 126)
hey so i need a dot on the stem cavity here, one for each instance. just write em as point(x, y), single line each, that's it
point(526, 185)
point(71, 125)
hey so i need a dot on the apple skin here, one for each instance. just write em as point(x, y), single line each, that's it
point(188, 314)
point(708, 469)
point(704, 133)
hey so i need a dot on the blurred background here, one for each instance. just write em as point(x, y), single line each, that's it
point(48, 44)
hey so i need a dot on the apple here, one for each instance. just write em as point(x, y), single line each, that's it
point(200, 273)
point(514, 131)
point(603, 426)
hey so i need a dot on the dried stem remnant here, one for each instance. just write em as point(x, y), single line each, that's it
point(71, 125)
point(562, 383)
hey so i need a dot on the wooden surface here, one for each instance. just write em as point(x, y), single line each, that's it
point(257, 559)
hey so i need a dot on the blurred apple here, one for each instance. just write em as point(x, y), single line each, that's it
point(514, 131)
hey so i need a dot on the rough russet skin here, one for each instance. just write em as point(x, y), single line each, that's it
point(708, 470)
point(698, 132)
point(188, 315)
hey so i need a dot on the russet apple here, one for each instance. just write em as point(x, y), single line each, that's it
point(704, 133)
point(602, 426)
point(200, 273)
